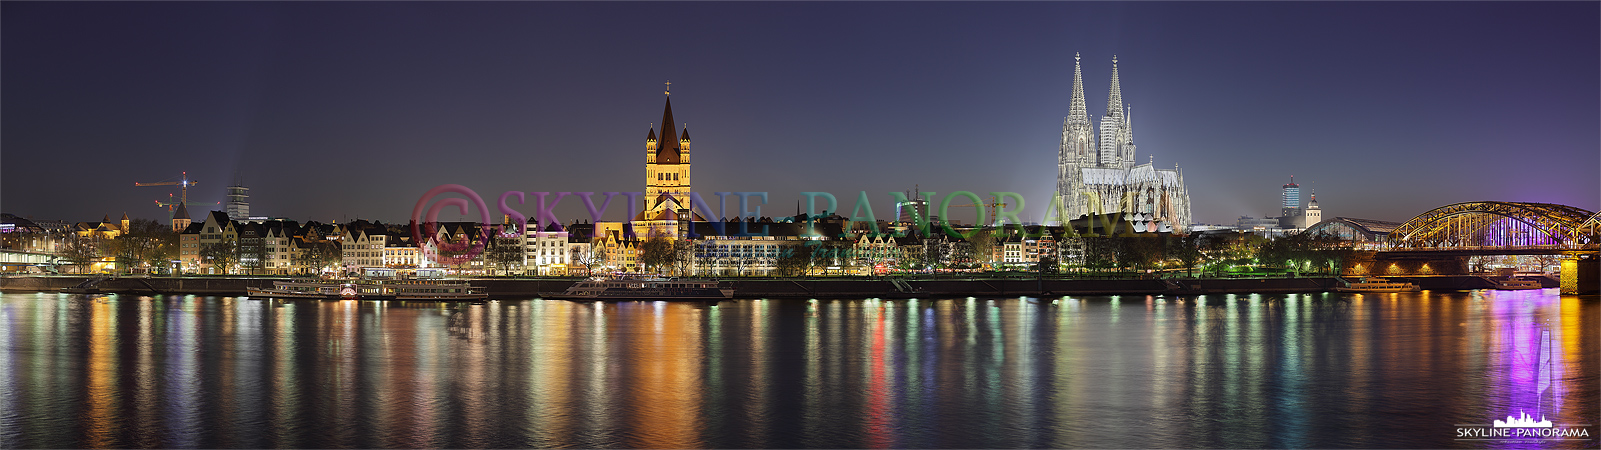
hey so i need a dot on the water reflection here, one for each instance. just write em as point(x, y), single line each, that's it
point(1313, 370)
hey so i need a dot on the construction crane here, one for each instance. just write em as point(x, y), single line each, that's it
point(183, 184)
point(172, 202)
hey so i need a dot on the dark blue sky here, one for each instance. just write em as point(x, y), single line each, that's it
point(346, 110)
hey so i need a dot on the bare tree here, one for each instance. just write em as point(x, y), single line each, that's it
point(658, 252)
point(588, 256)
point(221, 255)
point(685, 259)
point(505, 252)
point(794, 259)
point(79, 251)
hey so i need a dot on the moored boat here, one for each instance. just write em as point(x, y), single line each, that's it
point(1515, 284)
point(1375, 285)
point(649, 289)
point(416, 289)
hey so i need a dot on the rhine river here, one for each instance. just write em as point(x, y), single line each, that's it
point(1318, 370)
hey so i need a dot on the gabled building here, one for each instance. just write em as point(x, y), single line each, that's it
point(216, 229)
point(278, 250)
point(362, 245)
point(546, 250)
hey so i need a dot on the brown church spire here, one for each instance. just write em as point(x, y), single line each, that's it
point(667, 149)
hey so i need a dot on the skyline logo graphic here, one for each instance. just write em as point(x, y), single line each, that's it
point(1523, 422)
point(1523, 427)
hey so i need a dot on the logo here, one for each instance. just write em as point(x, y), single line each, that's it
point(1522, 427)
point(1534, 389)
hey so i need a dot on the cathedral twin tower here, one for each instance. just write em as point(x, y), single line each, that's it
point(1096, 171)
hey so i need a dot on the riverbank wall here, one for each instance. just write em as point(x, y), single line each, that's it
point(745, 288)
point(797, 288)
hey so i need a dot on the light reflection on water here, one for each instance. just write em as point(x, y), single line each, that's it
point(1306, 370)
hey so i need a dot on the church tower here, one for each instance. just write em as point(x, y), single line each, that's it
point(1117, 148)
point(667, 169)
point(1078, 146)
point(180, 219)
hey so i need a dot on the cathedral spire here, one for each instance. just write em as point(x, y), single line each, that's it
point(1114, 100)
point(1076, 111)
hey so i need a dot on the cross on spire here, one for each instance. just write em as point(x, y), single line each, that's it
point(669, 88)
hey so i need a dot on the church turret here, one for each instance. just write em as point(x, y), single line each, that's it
point(180, 218)
point(683, 145)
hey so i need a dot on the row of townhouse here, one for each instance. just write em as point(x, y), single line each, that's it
point(1015, 250)
point(715, 248)
point(274, 247)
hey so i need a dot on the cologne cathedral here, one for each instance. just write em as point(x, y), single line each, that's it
point(1097, 173)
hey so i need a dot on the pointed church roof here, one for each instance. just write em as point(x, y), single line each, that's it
point(1114, 100)
point(1128, 122)
point(1077, 112)
point(652, 135)
point(667, 152)
point(685, 135)
point(124, 216)
point(182, 213)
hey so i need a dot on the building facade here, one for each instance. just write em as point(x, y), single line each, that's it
point(1096, 170)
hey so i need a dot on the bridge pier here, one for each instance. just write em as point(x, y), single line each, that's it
point(1581, 274)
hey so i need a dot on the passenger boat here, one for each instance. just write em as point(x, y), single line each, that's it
point(650, 289)
point(1375, 285)
point(302, 290)
point(1515, 284)
point(412, 289)
point(434, 290)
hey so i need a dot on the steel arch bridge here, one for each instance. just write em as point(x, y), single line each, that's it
point(1505, 225)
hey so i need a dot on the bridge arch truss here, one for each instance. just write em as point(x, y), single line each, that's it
point(1497, 224)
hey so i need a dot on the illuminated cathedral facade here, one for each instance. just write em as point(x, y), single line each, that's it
point(1096, 170)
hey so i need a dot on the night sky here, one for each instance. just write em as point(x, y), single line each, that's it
point(338, 111)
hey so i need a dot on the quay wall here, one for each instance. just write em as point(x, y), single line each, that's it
point(799, 288)
point(745, 288)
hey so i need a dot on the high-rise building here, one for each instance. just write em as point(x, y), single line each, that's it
point(238, 208)
point(1099, 176)
point(1293, 214)
point(1292, 198)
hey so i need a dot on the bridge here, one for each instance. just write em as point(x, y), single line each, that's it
point(1499, 228)
point(1441, 241)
